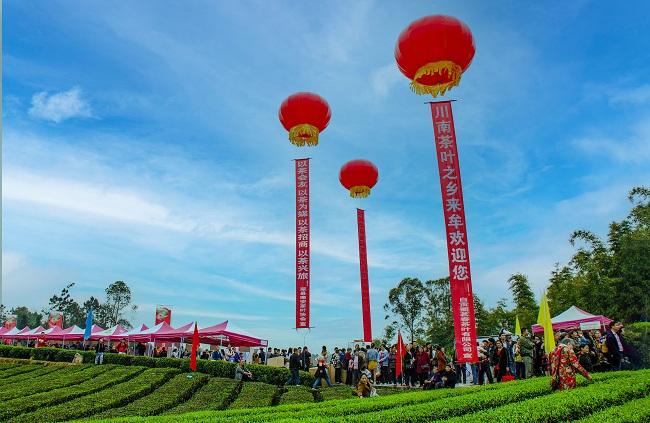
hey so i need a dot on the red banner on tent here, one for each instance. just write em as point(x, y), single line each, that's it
point(454, 211)
point(302, 243)
point(163, 314)
point(363, 265)
point(10, 322)
point(56, 319)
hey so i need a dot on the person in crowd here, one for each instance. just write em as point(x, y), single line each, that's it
point(447, 378)
point(100, 349)
point(564, 364)
point(349, 378)
point(262, 356)
point(364, 388)
point(614, 344)
point(433, 380)
point(175, 353)
point(382, 365)
point(441, 358)
point(538, 353)
point(600, 362)
point(305, 359)
point(321, 372)
point(372, 355)
point(294, 368)
point(584, 358)
point(526, 347)
point(484, 364)
point(422, 360)
point(408, 370)
point(229, 353)
point(41, 341)
point(338, 366)
point(358, 365)
point(392, 365)
point(242, 373)
point(122, 347)
point(505, 327)
point(140, 349)
point(216, 355)
point(501, 359)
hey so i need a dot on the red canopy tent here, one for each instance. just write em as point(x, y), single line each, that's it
point(574, 317)
point(116, 332)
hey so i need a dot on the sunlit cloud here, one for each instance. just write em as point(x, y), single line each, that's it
point(60, 106)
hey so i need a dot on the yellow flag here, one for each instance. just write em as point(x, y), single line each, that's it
point(544, 320)
point(517, 326)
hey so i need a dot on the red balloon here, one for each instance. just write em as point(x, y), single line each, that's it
point(304, 115)
point(433, 52)
point(359, 176)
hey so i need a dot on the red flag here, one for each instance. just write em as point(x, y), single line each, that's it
point(363, 265)
point(302, 244)
point(401, 350)
point(195, 347)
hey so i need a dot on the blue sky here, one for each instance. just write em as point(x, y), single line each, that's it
point(141, 143)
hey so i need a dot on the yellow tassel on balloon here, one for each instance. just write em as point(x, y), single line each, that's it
point(360, 191)
point(453, 70)
point(304, 134)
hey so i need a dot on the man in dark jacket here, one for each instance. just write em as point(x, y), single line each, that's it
point(100, 349)
point(294, 368)
point(447, 378)
point(305, 358)
point(526, 351)
point(614, 345)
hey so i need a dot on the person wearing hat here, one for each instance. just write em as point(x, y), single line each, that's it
point(526, 347)
point(564, 364)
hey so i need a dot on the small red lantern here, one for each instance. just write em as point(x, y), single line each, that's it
point(433, 52)
point(304, 115)
point(359, 176)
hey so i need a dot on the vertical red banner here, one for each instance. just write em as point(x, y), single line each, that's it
point(163, 314)
point(302, 243)
point(454, 211)
point(363, 267)
point(10, 321)
point(55, 319)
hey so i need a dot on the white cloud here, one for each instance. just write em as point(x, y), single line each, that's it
point(384, 78)
point(638, 95)
point(633, 148)
point(60, 106)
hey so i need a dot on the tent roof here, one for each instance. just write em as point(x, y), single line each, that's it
point(572, 317)
point(111, 333)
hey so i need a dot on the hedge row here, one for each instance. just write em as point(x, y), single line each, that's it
point(63, 377)
point(115, 396)
point(114, 375)
point(255, 395)
point(296, 395)
point(14, 371)
point(218, 368)
point(26, 376)
point(571, 404)
point(631, 412)
point(172, 393)
point(217, 394)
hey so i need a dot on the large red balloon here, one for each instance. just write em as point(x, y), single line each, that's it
point(359, 176)
point(304, 115)
point(433, 52)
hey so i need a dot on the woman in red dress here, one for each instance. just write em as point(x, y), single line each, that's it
point(564, 364)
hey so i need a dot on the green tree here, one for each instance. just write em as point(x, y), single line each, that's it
point(118, 302)
point(25, 317)
point(439, 315)
point(522, 295)
point(406, 303)
point(72, 313)
point(610, 278)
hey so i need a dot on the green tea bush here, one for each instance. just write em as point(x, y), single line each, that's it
point(114, 375)
point(217, 394)
point(117, 395)
point(296, 395)
point(635, 411)
point(169, 395)
point(255, 395)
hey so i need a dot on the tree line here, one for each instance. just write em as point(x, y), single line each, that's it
point(610, 278)
point(108, 313)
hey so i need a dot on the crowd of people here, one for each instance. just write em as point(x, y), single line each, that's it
point(425, 366)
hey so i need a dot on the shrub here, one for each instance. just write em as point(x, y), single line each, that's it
point(172, 393)
point(296, 395)
point(637, 336)
point(255, 395)
point(143, 361)
point(67, 376)
point(217, 394)
point(4, 350)
point(20, 352)
point(121, 359)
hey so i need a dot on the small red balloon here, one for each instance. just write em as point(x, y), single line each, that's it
point(359, 176)
point(305, 115)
